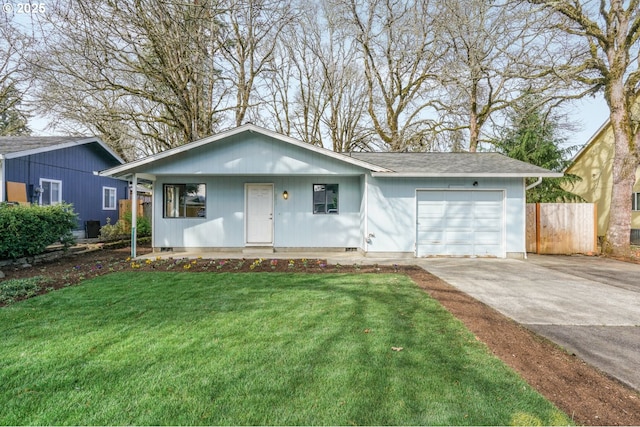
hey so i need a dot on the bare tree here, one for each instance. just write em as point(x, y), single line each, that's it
point(399, 54)
point(146, 64)
point(316, 88)
point(249, 38)
point(13, 84)
point(497, 51)
point(610, 30)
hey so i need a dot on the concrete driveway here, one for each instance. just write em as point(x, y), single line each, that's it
point(589, 306)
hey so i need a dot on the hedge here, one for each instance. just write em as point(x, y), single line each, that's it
point(28, 230)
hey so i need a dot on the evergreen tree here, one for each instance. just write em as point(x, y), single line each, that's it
point(13, 122)
point(532, 135)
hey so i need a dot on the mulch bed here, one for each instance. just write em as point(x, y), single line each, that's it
point(586, 394)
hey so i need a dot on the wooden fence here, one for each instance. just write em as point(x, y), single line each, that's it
point(125, 206)
point(562, 228)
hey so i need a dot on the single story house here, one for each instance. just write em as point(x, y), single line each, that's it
point(253, 188)
point(593, 163)
point(54, 169)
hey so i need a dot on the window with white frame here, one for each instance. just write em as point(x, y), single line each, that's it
point(635, 202)
point(109, 197)
point(51, 192)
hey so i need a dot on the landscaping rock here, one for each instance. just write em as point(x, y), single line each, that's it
point(26, 265)
point(1, 275)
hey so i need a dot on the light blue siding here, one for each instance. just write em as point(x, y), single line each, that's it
point(381, 208)
point(392, 210)
point(252, 155)
point(295, 225)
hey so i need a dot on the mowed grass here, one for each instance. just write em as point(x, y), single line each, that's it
point(260, 348)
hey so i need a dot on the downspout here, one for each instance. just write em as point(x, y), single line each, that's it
point(535, 184)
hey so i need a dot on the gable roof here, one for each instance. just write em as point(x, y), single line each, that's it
point(380, 164)
point(453, 165)
point(130, 168)
point(12, 147)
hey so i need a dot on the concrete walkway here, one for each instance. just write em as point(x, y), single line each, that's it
point(589, 306)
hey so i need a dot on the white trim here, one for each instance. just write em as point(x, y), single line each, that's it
point(503, 243)
point(129, 167)
point(115, 199)
point(2, 178)
point(366, 213)
point(134, 217)
point(59, 190)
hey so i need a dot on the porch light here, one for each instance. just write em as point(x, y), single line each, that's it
point(285, 195)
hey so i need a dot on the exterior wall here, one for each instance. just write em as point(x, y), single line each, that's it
point(74, 166)
point(594, 166)
point(250, 155)
point(295, 225)
point(392, 210)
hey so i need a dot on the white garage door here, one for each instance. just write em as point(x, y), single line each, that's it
point(460, 223)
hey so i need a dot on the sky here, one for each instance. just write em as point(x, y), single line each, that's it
point(588, 115)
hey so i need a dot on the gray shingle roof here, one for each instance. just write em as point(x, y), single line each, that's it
point(452, 164)
point(14, 144)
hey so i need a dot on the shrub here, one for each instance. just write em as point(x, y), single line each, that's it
point(12, 289)
point(116, 231)
point(122, 228)
point(28, 230)
point(143, 224)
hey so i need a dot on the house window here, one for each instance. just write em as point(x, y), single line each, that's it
point(184, 200)
point(325, 198)
point(635, 202)
point(109, 198)
point(51, 192)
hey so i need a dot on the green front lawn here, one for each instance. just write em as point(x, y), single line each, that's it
point(258, 348)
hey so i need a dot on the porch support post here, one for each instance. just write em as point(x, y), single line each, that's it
point(2, 180)
point(134, 214)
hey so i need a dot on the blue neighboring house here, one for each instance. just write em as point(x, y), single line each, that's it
point(60, 169)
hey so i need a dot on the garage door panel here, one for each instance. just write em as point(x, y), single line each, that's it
point(456, 222)
point(488, 223)
point(458, 237)
point(488, 196)
point(460, 223)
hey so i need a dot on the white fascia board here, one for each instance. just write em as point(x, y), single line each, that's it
point(17, 154)
point(130, 167)
point(465, 175)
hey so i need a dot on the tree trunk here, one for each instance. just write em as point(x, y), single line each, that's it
point(618, 236)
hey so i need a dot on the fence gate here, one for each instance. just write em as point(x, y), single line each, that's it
point(562, 228)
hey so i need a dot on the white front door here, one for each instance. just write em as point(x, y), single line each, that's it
point(259, 214)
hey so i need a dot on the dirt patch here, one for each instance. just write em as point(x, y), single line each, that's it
point(586, 394)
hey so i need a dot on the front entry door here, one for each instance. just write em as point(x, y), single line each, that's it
point(259, 214)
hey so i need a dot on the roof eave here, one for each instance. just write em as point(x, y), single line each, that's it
point(33, 151)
